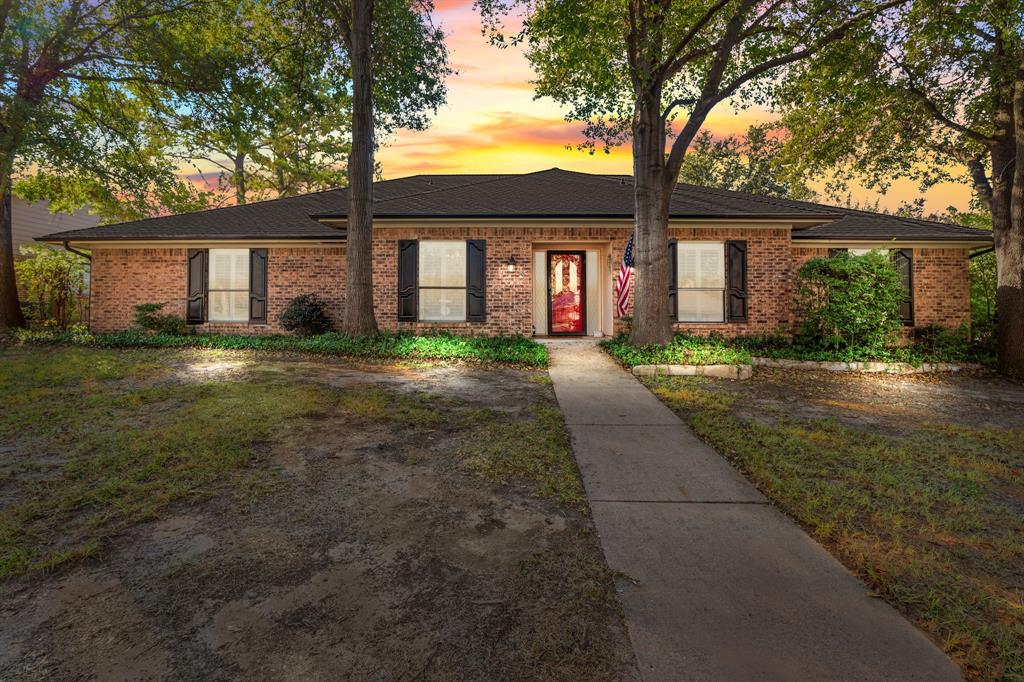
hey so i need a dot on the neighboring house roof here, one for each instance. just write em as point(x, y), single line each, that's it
point(30, 221)
point(552, 194)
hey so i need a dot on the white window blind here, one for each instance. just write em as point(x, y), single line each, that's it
point(229, 285)
point(442, 281)
point(700, 279)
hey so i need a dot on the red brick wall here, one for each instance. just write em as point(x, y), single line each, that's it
point(942, 287)
point(509, 294)
point(769, 278)
point(123, 278)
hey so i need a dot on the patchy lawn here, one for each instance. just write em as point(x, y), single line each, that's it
point(185, 513)
point(915, 483)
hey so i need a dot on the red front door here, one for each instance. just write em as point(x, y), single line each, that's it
point(567, 311)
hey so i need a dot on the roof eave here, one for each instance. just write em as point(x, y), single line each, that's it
point(816, 219)
point(59, 239)
point(964, 240)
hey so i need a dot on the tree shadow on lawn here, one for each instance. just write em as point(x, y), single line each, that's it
point(172, 514)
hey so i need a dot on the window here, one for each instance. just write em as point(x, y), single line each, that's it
point(700, 278)
point(903, 259)
point(229, 285)
point(442, 281)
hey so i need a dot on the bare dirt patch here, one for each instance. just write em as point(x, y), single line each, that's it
point(880, 401)
point(357, 543)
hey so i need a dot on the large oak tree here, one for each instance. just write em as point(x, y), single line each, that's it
point(398, 63)
point(938, 85)
point(77, 80)
point(650, 72)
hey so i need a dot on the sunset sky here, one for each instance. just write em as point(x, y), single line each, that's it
point(492, 123)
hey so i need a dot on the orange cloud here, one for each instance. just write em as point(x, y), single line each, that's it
point(492, 123)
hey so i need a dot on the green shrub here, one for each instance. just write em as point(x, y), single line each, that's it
point(955, 344)
point(683, 350)
point(507, 350)
point(148, 317)
point(848, 301)
point(53, 282)
point(930, 344)
point(305, 315)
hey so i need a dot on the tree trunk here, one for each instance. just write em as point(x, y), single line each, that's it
point(239, 179)
point(10, 307)
point(359, 319)
point(1008, 232)
point(651, 316)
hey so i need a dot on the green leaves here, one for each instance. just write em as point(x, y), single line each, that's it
point(906, 96)
point(848, 301)
point(52, 281)
point(505, 350)
point(753, 164)
point(78, 123)
point(684, 350)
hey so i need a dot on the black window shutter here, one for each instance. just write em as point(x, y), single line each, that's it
point(736, 280)
point(257, 285)
point(408, 267)
point(476, 280)
point(904, 259)
point(195, 306)
point(673, 282)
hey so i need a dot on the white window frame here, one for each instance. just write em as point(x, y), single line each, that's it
point(420, 287)
point(680, 290)
point(210, 290)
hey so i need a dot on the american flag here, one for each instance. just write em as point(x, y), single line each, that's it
point(625, 279)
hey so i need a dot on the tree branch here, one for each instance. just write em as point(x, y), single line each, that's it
point(937, 114)
point(664, 70)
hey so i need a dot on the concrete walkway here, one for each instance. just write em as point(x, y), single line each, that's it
point(725, 586)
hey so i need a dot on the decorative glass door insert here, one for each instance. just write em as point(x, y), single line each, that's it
point(566, 286)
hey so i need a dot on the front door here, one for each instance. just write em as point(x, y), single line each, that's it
point(567, 308)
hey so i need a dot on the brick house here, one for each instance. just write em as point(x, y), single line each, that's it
point(531, 254)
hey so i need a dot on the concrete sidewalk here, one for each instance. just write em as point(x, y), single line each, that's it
point(726, 587)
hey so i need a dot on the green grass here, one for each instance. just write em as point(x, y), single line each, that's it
point(932, 519)
point(516, 351)
point(96, 440)
point(684, 350)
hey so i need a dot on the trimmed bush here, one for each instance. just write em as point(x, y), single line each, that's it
point(305, 315)
point(507, 350)
point(148, 317)
point(848, 301)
